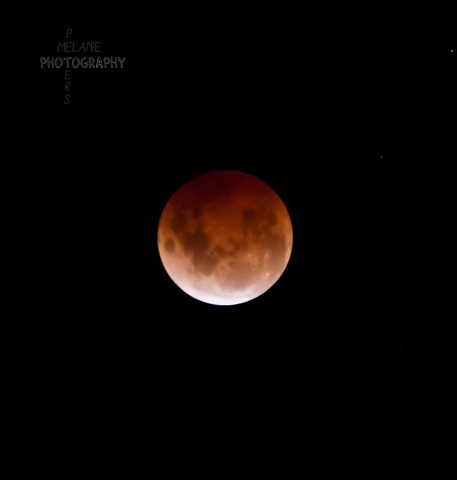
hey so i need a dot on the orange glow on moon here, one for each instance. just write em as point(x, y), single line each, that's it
point(225, 237)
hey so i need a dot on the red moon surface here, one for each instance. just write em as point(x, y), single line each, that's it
point(225, 237)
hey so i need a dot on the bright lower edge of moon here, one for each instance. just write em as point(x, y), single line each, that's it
point(225, 237)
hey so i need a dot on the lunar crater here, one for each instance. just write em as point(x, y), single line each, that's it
point(170, 245)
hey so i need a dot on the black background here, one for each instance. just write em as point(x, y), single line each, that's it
point(347, 122)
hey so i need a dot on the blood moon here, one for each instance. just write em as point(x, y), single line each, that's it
point(225, 237)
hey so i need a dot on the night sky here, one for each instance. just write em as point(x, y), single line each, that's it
point(348, 123)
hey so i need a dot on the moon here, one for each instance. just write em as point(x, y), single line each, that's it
point(225, 237)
